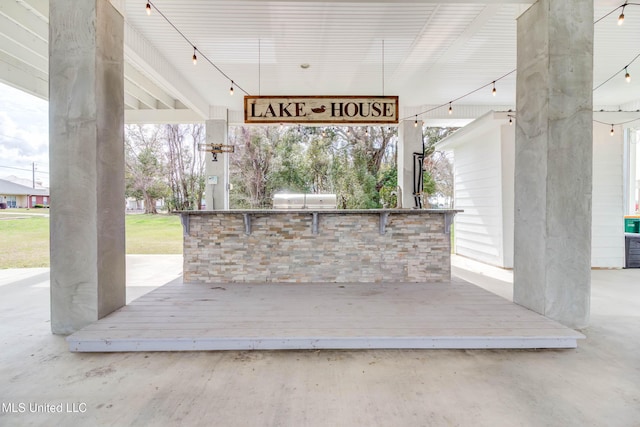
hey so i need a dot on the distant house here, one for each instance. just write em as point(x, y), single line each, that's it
point(14, 195)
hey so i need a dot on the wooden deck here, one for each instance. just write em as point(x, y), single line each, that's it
point(186, 317)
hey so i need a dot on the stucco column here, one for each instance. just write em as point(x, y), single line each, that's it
point(409, 142)
point(553, 168)
point(86, 152)
point(217, 172)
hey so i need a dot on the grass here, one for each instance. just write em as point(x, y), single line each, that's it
point(154, 234)
point(25, 240)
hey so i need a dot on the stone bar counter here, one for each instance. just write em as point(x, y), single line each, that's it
point(310, 246)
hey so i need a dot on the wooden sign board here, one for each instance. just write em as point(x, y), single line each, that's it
point(321, 109)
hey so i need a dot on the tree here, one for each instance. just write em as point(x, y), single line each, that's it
point(289, 171)
point(438, 170)
point(186, 165)
point(250, 165)
point(145, 171)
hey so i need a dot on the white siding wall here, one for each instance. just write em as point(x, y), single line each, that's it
point(484, 174)
point(478, 184)
point(607, 228)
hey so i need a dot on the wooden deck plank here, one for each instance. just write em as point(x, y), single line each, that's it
point(352, 315)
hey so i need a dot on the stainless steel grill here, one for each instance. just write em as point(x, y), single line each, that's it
point(304, 201)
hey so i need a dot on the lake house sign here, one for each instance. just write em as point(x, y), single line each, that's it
point(321, 109)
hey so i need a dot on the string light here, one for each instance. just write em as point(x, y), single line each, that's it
point(415, 124)
point(621, 17)
point(627, 76)
point(612, 131)
point(513, 71)
point(231, 89)
point(194, 58)
point(493, 91)
point(510, 121)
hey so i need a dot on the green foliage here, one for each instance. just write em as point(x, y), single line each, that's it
point(290, 171)
point(428, 184)
point(358, 164)
point(388, 183)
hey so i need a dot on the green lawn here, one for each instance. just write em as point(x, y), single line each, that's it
point(154, 234)
point(25, 240)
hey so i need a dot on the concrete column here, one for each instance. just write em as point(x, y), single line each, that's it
point(553, 168)
point(409, 142)
point(86, 140)
point(217, 172)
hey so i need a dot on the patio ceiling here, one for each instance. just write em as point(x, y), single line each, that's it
point(426, 52)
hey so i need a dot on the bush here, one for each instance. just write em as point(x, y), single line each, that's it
point(39, 206)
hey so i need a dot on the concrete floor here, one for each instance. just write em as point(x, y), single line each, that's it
point(597, 384)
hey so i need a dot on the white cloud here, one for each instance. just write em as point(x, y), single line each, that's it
point(24, 134)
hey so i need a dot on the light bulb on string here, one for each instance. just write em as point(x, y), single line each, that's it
point(510, 121)
point(148, 9)
point(415, 124)
point(231, 89)
point(450, 109)
point(627, 76)
point(612, 131)
point(621, 17)
point(194, 58)
point(493, 91)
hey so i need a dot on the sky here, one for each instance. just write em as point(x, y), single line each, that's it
point(24, 135)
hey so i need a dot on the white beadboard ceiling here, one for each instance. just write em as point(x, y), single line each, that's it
point(434, 52)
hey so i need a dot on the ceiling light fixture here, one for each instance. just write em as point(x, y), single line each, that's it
point(148, 9)
point(493, 91)
point(450, 109)
point(231, 89)
point(627, 76)
point(194, 58)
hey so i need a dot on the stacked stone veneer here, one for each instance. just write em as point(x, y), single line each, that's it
point(348, 247)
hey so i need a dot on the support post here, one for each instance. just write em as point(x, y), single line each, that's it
point(217, 195)
point(553, 166)
point(86, 151)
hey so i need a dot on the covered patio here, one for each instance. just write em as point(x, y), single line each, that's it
point(559, 388)
point(102, 64)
